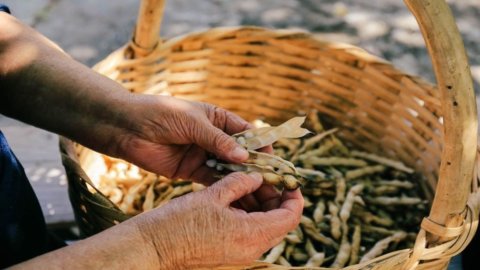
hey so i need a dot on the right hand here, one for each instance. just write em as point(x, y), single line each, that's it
point(203, 230)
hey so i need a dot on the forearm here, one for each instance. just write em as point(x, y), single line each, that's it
point(121, 247)
point(42, 86)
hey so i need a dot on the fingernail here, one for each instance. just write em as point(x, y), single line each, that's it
point(239, 154)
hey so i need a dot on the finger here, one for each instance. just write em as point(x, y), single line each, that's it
point(216, 141)
point(292, 200)
point(286, 217)
point(234, 186)
point(225, 120)
point(234, 123)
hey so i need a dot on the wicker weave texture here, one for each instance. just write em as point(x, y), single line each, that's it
point(278, 74)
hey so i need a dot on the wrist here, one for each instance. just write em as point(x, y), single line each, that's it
point(109, 123)
point(162, 239)
point(139, 118)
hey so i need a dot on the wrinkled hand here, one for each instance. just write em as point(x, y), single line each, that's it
point(202, 230)
point(171, 137)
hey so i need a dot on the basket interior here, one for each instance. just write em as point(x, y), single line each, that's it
point(275, 75)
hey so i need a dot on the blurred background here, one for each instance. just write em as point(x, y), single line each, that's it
point(90, 29)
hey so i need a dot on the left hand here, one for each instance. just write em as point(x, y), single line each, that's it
point(165, 135)
point(171, 137)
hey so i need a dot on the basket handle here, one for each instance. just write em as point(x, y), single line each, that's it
point(146, 36)
point(454, 80)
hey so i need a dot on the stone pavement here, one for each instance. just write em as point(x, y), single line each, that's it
point(90, 29)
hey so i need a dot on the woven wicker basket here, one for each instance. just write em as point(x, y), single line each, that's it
point(278, 73)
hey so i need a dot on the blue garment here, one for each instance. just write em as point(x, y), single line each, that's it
point(23, 232)
point(4, 8)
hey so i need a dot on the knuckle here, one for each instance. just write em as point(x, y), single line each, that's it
point(220, 117)
point(222, 141)
point(215, 192)
point(234, 184)
point(237, 177)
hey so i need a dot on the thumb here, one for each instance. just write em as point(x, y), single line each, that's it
point(216, 141)
point(234, 186)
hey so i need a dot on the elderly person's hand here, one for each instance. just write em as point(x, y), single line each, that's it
point(202, 230)
point(171, 136)
point(198, 230)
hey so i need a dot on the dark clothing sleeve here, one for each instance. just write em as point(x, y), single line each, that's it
point(23, 232)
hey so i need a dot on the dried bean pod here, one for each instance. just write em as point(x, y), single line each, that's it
point(272, 178)
point(115, 195)
point(289, 250)
point(258, 138)
point(356, 240)
point(162, 196)
point(291, 144)
point(269, 175)
point(127, 205)
point(293, 238)
point(320, 151)
point(148, 203)
point(369, 229)
point(316, 260)
point(344, 251)
point(309, 248)
point(291, 182)
point(336, 161)
point(319, 211)
point(382, 190)
point(177, 191)
point(335, 224)
point(313, 232)
point(275, 253)
point(381, 245)
point(358, 200)
point(389, 201)
point(280, 153)
point(348, 204)
point(311, 174)
point(341, 187)
point(396, 183)
point(314, 121)
point(369, 218)
point(310, 142)
point(299, 255)
point(282, 261)
point(384, 161)
point(298, 231)
point(364, 171)
point(263, 159)
point(306, 202)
